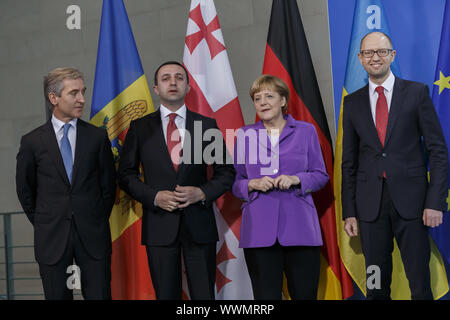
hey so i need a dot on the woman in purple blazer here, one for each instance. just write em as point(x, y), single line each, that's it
point(278, 164)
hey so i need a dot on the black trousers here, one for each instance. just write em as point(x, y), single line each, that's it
point(301, 265)
point(95, 275)
point(200, 263)
point(413, 243)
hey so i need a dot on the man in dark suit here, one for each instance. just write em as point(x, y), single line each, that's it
point(387, 126)
point(177, 196)
point(65, 182)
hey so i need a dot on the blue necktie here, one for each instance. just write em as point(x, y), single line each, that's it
point(66, 152)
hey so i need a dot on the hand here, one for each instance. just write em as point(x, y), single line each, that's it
point(432, 218)
point(351, 227)
point(262, 184)
point(284, 182)
point(188, 195)
point(166, 200)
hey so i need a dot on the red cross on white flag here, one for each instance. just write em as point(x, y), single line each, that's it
point(204, 32)
point(213, 94)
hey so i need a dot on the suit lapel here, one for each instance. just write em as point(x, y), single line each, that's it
point(51, 144)
point(155, 125)
point(396, 107)
point(288, 129)
point(80, 147)
point(187, 144)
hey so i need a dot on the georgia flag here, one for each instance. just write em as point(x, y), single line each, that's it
point(213, 94)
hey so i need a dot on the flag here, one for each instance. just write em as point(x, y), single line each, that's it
point(213, 94)
point(120, 95)
point(287, 57)
point(369, 16)
point(441, 100)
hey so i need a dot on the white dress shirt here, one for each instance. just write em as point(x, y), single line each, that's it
point(72, 134)
point(180, 120)
point(388, 86)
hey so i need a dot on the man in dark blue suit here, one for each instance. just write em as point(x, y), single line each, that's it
point(389, 127)
point(65, 182)
point(177, 196)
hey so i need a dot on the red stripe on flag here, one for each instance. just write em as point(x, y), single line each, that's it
point(228, 205)
point(195, 99)
point(324, 199)
point(226, 117)
point(129, 266)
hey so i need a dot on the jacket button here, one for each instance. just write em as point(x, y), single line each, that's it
point(384, 155)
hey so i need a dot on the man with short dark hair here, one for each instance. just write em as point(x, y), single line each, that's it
point(65, 181)
point(387, 126)
point(176, 195)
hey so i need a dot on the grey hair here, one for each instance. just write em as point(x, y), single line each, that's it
point(53, 82)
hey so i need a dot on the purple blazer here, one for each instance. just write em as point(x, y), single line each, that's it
point(287, 215)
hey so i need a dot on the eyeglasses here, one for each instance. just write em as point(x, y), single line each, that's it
point(379, 52)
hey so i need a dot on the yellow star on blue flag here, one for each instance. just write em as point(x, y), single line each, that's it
point(443, 82)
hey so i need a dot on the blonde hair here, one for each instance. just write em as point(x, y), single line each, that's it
point(53, 82)
point(270, 82)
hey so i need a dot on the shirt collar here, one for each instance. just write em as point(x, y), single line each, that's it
point(58, 124)
point(180, 112)
point(290, 122)
point(388, 84)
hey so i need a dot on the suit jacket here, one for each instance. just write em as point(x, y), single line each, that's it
point(145, 144)
point(413, 131)
point(51, 202)
point(287, 215)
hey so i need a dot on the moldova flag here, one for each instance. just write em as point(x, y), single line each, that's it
point(120, 95)
point(369, 16)
point(441, 100)
point(287, 57)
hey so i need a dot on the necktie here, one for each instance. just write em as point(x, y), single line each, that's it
point(66, 152)
point(381, 115)
point(173, 138)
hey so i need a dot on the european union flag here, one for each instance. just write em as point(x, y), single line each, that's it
point(441, 100)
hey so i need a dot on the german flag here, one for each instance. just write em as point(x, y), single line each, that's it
point(287, 57)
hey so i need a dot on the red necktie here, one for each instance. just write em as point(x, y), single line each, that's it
point(172, 140)
point(381, 116)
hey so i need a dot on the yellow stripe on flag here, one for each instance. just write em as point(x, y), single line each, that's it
point(329, 285)
point(137, 91)
point(132, 103)
point(351, 252)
